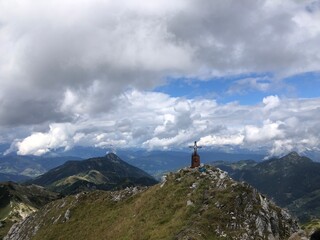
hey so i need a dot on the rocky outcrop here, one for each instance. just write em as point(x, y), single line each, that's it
point(18, 201)
point(240, 211)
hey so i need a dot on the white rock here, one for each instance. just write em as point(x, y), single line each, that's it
point(223, 175)
point(57, 219)
point(264, 203)
point(163, 180)
point(67, 215)
point(63, 204)
point(194, 185)
point(190, 203)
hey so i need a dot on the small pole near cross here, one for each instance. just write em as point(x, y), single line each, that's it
point(195, 158)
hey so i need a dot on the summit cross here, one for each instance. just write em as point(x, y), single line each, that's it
point(195, 147)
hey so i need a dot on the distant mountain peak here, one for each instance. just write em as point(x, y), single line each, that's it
point(112, 155)
point(105, 173)
point(295, 158)
point(293, 154)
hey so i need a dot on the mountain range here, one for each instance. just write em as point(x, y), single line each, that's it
point(158, 162)
point(291, 181)
point(7, 177)
point(155, 162)
point(19, 168)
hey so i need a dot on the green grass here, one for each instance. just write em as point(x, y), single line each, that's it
point(155, 214)
point(4, 212)
point(6, 225)
point(311, 226)
point(159, 213)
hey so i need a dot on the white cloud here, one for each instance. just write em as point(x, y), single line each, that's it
point(300, 144)
point(59, 135)
point(155, 120)
point(89, 66)
point(52, 51)
point(271, 102)
point(250, 84)
point(269, 131)
point(213, 140)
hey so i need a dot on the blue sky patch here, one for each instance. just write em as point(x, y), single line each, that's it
point(248, 89)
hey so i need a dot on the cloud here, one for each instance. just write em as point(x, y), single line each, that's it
point(222, 140)
point(244, 36)
point(83, 72)
point(269, 131)
point(52, 52)
point(250, 84)
point(94, 49)
point(271, 102)
point(157, 121)
point(59, 135)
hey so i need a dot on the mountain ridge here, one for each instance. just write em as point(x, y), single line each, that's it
point(105, 173)
point(201, 203)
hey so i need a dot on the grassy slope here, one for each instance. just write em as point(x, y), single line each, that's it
point(157, 213)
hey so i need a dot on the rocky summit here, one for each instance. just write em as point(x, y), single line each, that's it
point(199, 203)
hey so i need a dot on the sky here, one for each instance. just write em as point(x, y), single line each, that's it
point(233, 75)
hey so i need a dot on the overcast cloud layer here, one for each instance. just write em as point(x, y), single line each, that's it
point(82, 72)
